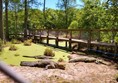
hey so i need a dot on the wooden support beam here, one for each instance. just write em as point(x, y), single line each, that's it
point(40, 41)
point(79, 36)
point(66, 43)
point(47, 36)
point(57, 40)
point(89, 40)
point(98, 39)
point(116, 48)
point(70, 40)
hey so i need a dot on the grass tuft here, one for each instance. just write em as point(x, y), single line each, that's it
point(13, 48)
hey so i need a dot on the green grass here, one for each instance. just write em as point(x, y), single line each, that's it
point(35, 49)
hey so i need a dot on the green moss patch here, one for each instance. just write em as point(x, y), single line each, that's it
point(35, 49)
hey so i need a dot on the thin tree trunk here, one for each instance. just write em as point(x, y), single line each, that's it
point(6, 19)
point(16, 31)
point(25, 20)
point(44, 13)
point(66, 16)
point(1, 22)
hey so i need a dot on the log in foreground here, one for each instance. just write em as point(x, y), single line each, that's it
point(39, 57)
point(47, 64)
point(84, 59)
point(89, 60)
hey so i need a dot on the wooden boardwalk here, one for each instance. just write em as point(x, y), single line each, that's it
point(89, 39)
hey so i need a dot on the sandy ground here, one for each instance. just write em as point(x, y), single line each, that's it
point(79, 72)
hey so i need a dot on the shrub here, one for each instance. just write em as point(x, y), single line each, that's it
point(16, 54)
point(13, 48)
point(61, 60)
point(49, 52)
point(28, 42)
point(14, 41)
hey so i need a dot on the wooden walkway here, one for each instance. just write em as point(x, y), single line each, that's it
point(90, 39)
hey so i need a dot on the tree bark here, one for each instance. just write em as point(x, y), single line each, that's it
point(6, 20)
point(66, 15)
point(44, 12)
point(1, 22)
point(16, 19)
point(25, 20)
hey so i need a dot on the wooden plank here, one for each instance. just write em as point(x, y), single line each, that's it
point(79, 41)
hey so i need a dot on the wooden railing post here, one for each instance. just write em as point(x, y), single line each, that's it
point(98, 39)
point(70, 39)
point(89, 40)
point(29, 34)
point(48, 36)
point(79, 45)
point(56, 41)
point(66, 41)
point(40, 41)
point(116, 48)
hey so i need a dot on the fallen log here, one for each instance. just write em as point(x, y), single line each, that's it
point(84, 59)
point(103, 62)
point(89, 60)
point(73, 56)
point(39, 57)
point(47, 64)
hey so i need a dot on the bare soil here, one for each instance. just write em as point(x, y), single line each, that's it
point(79, 72)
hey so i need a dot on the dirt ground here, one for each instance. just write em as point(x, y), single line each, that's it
point(79, 72)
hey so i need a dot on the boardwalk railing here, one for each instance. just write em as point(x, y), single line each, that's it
point(91, 39)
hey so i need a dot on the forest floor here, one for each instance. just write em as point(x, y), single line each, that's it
point(79, 72)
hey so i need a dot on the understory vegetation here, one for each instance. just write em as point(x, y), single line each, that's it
point(49, 52)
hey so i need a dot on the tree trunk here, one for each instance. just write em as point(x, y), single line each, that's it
point(6, 20)
point(16, 17)
point(1, 22)
point(25, 20)
point(44, 13)
point(66, 15)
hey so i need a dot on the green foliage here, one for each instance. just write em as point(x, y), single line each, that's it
point(93, 14)
point(105, 40)
point(116, 39)
point(49, 52)
point(27, 42)
point(15, 41)
point(73, 25)
point(13, 48)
